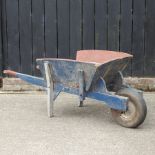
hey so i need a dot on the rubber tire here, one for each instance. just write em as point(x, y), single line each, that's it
point(139, 104)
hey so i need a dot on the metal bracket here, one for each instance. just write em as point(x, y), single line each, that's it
point(50, 88)
point(100, 86)
point(117, 82)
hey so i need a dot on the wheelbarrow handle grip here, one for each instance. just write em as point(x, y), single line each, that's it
point(10, 72)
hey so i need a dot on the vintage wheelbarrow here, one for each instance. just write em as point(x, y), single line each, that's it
point(94, 74)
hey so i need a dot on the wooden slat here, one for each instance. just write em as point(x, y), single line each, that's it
point(75, 27)
point(25, 36)
point(13, 35)
point(113, 24)
point(138, 37)
point(150, 39)
point(126, 30)
point(50, 28)
point(66, 26)
point(4, 35)
point(38, 31)
point(101, 28)
point(1, 63)
point(63, 28)
point(88, 24)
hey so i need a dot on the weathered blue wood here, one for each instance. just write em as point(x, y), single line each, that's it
point(66, 71)
point(112, 101)
point(32, 79)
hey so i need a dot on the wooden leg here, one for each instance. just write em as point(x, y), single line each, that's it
point(50, 101)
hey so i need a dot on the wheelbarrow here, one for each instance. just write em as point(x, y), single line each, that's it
point(95, 74)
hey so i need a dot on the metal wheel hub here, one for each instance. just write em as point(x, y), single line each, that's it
point(130, 113)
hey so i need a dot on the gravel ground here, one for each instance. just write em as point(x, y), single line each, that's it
point(25, 128)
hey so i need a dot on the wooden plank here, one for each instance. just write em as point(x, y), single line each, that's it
point(126, 30)
point(101, 27)
point(75, 27)
point(1, 57)
point(149, 68)
point(4, 35)
point(50, 28)
point(138, 37)
point(25, 36)
point(13, 35)
point(88, 24)
point(38, 31)
point(113, 24)
point(63, 28)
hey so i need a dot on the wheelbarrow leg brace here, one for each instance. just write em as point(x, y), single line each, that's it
point(81, 87)
point(50, 92)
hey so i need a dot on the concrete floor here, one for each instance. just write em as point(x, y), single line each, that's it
point(25, 128)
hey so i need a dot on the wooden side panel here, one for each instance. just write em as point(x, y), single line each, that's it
point(13, 35)
point(138, 37)
point(25, 27)
point(63, 28)
point(149, 68)
point(51, 28)
point(101, 27)
point(126, 30)
point(113, 24)
point(88, 24)
point(38, 31)
point(75, 27)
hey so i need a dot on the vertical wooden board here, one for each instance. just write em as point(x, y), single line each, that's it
point(113, 24)
point(13, 34)
point(50, 28)
point(149, 68)
point(138, 37)
point(126, 31)
point(63, 28)
point(38, 31)
point(1, 63)
point(75, 27)
point(101, 26)
point(25, 36)
point(4, 35)
point(88, 24)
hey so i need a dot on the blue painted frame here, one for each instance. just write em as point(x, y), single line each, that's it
point(101, 94)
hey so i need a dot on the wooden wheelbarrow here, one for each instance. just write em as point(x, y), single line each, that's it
point(94, 74)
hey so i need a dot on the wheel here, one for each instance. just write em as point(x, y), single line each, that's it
point(136, 109)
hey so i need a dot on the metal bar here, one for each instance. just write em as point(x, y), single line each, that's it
point(81, 86)
point(50, 86)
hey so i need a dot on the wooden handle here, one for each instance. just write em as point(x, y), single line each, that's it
point(9, 72)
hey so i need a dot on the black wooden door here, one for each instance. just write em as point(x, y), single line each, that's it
point(58, 28)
